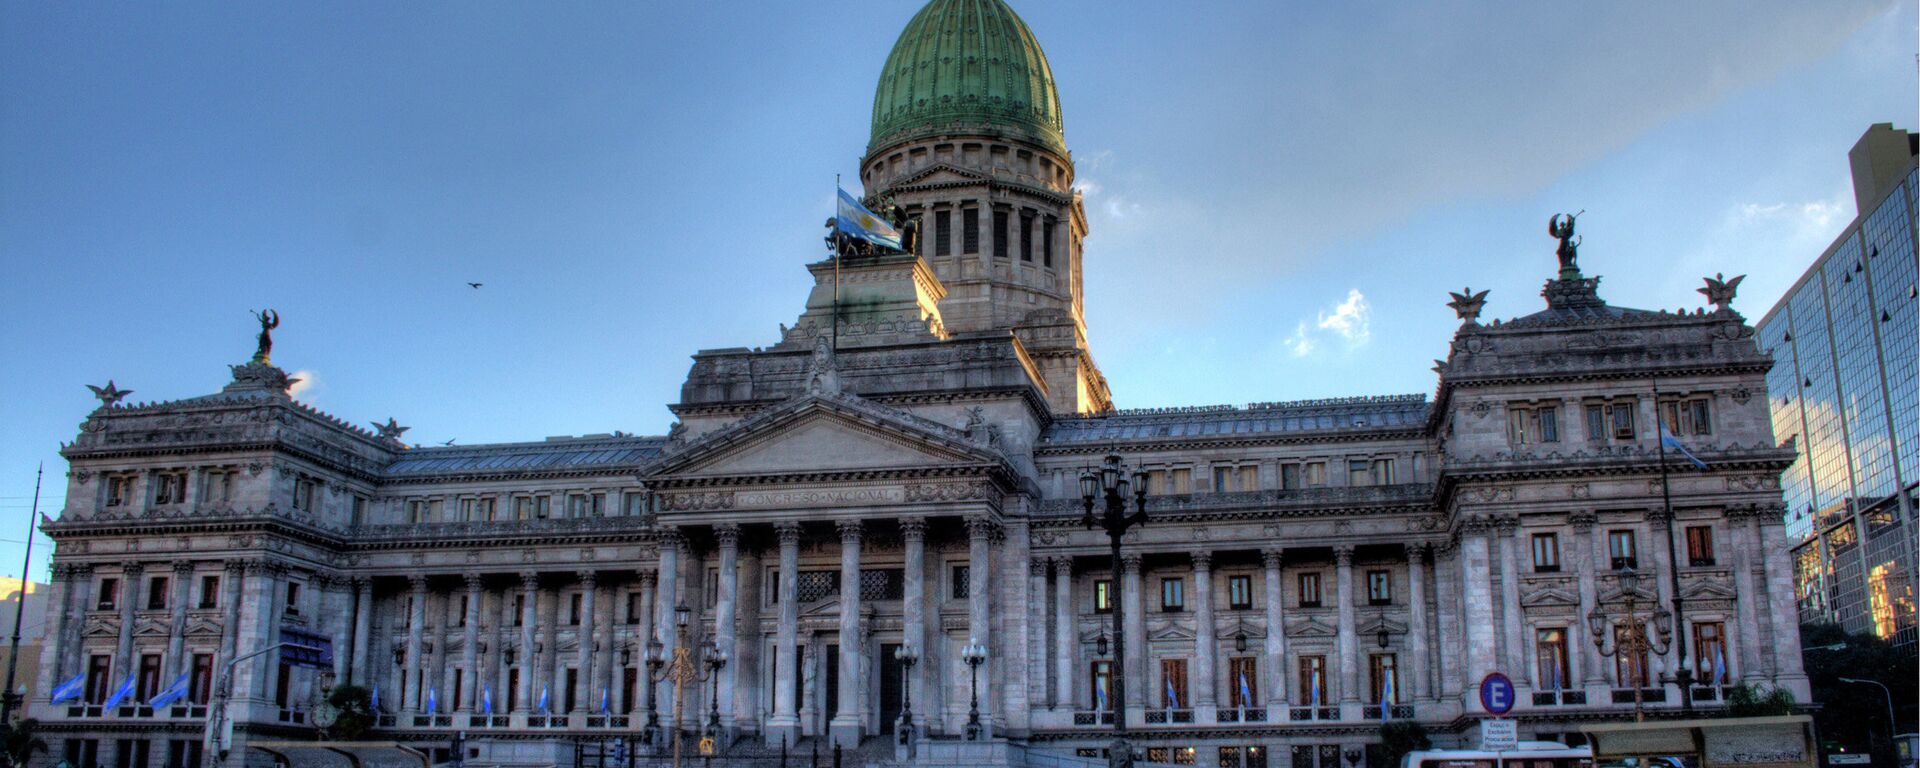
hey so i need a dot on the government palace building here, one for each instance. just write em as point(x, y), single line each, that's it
point(901, 468)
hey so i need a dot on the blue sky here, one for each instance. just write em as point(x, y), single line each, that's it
point(1280, 194)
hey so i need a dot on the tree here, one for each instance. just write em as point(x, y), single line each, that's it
point(1851, 714)
point(1397, 738)
point(355, 705)
point(1753, 700)
point(18, 742)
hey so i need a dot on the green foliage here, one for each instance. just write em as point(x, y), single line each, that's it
point(1852, 714)
point(1752, 700)
point(18, 742)
point(1397, 738)
point(355, 704)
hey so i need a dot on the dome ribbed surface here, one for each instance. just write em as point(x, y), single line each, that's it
point(967, 64)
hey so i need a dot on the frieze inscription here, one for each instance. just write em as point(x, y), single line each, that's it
point(818, 497)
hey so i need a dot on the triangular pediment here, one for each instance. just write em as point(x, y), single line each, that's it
point(1708, 590)
point(822, 433)
point(1171, 631)
point(942, 173)
point(1309, 627)
point(1548, 597)
point(202, 628)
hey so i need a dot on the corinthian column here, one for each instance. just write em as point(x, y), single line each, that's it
point(529, 616)
point(846, 723)
point(1348, 638)
point(362, 629)
point(784, 726)
point(177, 618)
point(416, 624)
point(589, 602)
point(667, 603)
point(913, 620)
point(1205, 646)
point(1276, 648)
point(1476, 597)
point(1134, 624)
point(979, 626)
point(1063, 636)
point(1417, 621)
point(728, 537)
point(470, 653)
point(1591, 676)
point(1512, 641)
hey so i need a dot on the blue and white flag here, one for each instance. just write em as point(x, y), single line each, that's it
point(1386, 697)
point(1719, 667)
point(70, 689)
point(1316, 688)
point(1173, 698)
point(605, 701)
point(1100, 695)
point(1553, 677)
point(854, 220)
point(122, 693)
point(433, 704)
point(1671, 443)
point(543, 699)
point(376, 697)
point(1246, 691)
point(486, 699)
point(174, 691)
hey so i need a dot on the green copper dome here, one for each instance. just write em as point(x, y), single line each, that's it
point(972, 63)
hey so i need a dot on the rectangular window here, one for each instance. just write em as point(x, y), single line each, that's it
point(1621, 550)
point(1103, 595)
point(1313, 680)
point(1026, 237)
point(119, 490)
point(157, 593)
point(1173, 597)
point(200, 684)
point(1629, 669)
point(573, 690)
point(970, 230)
point(216, 486)
point(1379, 587)
point(1621, 415)
point(1046, 243)
point(460, 619)
point(305, 494)
point(359, 510)
point(1546, 553)
point(1290, 476)
point(999, 234)
point(634, 605)
point(1316, 474)
point(573, 609)
point(1310, 590)
point(513, 690)
point(1710, 653)
point(1173, 688)
point(283, 686)
point(1243, 681)
point(209, 592)
point(1383, 471)
point(1550, 652)
point(1100, 692)
point(1239, 593)
point(962, 582)
point(942, 233)
point(1222, 479)
point(1687, 416)
point(97, 668)
point(1180, 480)
point(148, 682)
point(1359, 473)
point(109, 594)
point(169, 487)
point(635, 503)
point(293, 598)
point(1528, 424)
point(1383, 678)
point(519, 610)
point(1699, 546)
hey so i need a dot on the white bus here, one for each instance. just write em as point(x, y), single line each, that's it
point(1526, 754)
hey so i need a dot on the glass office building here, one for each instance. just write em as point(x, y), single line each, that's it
point(1846, 344)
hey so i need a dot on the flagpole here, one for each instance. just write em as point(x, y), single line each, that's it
point(1684, 675)
point(8, 697)
point(838, 245)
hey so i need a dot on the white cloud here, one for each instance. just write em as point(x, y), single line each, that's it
point(1349, 319)
point(1300, 342)
point(308, 386)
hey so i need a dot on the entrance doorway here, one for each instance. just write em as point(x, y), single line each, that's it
point(891, 685)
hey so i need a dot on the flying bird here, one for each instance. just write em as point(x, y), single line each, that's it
point(449, 442)
point(476, 286)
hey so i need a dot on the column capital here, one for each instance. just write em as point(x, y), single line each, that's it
point(254, 566)
point(588, 579)
point(1130, 563)
point(1062, 566)
point(646, 577)
point(727, 534)
point(979, 527)
point(669, 537)
point(132, 569)
point(913, 528)
point(182, 567)
point(1417, 551)
point(1202, 560)
point(472, 580)
point(1506, 524)
point(362, 583)
point(788, 531)
point(1273, 558)
point(418, 581)
point(1038, 567)
point(233, 567)
point(1658, 515)
point(1582, 521)
point(529, 580)
point(1343, 555)
point(850, 530)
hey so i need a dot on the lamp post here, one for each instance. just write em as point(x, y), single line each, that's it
point(1633, 641)
point(974, 654)
point(682, 671)
point(1892, 725)
point(1111, 485)
point(907, 656)
point(656, 658)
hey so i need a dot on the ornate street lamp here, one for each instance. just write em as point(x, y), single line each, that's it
point(716, 660)
point(974, 654)
point(907, 656)
point(1111, 485)
point(683, 670)
point(1631, 638)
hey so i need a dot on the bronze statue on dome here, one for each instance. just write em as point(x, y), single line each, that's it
point(1561, 226)
point(269, 320)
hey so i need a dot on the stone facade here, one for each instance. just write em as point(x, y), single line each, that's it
point(1303, 559)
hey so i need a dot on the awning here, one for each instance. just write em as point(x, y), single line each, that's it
point(343, 754)
point(1729, 742)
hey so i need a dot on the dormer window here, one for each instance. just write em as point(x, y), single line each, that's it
point(169, 487)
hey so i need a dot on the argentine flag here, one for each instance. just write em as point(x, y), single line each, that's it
point(1246, 691)
point(1719, 667)
point(1316, 690)
point(1173, 698)
point(486, 698)
point(1386, 697)
point(854, 220)
point(174, 691)
point(1100, 695)
point(122, 693)
point(70, 689)
point(376, 697)
point(1671, 443)
point(433, 705)
point(543, 700)
point(605, 700)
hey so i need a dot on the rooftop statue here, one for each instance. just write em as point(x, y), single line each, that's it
point(1467, 304)
point(390, 430)
point(1561, 226)
point(1720, 290)
point(269, 320)
point(109, 394)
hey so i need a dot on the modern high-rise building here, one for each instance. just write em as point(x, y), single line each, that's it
point(1846, 342)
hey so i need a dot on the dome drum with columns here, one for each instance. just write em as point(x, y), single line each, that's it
point(900, 469)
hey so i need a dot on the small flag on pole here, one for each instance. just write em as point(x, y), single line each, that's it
point(1100, 694)
point(1386, 696)
point(71, 689)
point(1246, 690)
point(1316, 688)
point(856, 221)
point(543, 699)
point(1673, 444)
point(1719, 667)
point(433, 705)
point(376, 697)
point(122, 693)
point(486, 698)
point(174, 691)
point(606, 699)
